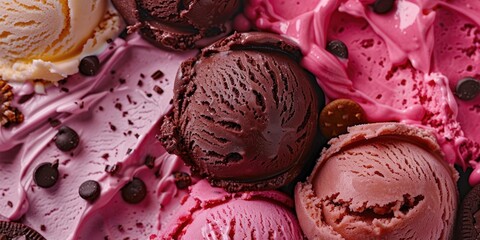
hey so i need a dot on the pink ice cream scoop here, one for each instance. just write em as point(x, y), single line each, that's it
point(403, 65)
point(212, 213)
point(379, 181)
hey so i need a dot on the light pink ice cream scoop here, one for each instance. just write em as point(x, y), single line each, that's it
point(379, 181)
point(212, 213)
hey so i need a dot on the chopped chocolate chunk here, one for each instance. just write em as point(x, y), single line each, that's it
point(142, 75)
point(134, 191)
point(112, 127)
point(338, 48)
point(105, 156)
point(13, 230)
point(113, 169)
point(23, 99)
point(129, 151)
point(10, 204)
point(149, 95)
point(46, 174)
point(182, 180)
point(150, 161)
point(157, 75)
point(89, 66)
point(122, 80)
point(64, 89)
point(43, 228)
point(66, 139)
point(118, 106)
point(383, 6)
point(467, 88)
point(140, 83)
point(130, 122)
point(89, 190)
point(54, 122)
point(158, 89)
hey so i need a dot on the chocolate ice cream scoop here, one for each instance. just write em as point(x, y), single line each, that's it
point(245, 113)
point(177, 24)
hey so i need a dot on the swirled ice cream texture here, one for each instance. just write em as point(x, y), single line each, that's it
point(46, 39)
point(402, 66)
point(115, 114)
point(379, 181)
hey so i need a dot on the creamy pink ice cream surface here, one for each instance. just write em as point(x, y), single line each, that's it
point(402, 66)
point(379, 181)
point(212, 213)
point(117, 123)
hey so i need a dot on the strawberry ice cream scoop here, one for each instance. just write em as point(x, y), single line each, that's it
point(379, 181)
point(212, 213)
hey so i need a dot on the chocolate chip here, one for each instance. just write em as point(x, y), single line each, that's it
point(150, 161)
point(89, 66)
point(338, 48)
point(11, 230)
point(66, 139)
point(182, 180)
point(467, 88)
point(383, 6)
point(134, 191)
point(89, 190)
point(46, 174)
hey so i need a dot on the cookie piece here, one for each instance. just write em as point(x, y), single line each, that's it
point(468, 216)
point(8, 114)
point(11, 230)
point(338, 115)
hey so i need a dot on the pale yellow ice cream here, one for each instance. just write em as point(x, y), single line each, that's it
point(46, 39)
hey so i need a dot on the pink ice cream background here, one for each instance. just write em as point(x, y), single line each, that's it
point(402, 66)
point(116, 115)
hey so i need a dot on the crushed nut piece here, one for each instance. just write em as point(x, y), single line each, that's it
point(8, 114)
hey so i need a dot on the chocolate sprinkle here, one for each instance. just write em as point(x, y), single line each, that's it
point(383, 6)
point(338, 48)
point(134, 191)
point(66, 139)
point(46, 174)
point(467, 88)
point(157, 75)
point(89, 190)
point(89, 66)
point(182, 180)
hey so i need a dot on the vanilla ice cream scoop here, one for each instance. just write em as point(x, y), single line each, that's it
point(46, 39)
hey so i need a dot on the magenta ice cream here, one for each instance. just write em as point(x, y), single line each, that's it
point(403, 65)
point(115, 115)
point(212, 213)
point(379, 181)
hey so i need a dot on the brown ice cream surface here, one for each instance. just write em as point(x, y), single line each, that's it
point(245, 113)
point(177, 24)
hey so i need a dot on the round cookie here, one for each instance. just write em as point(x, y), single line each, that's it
point(468, 216)
point(338, 115)
point(11, 230)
